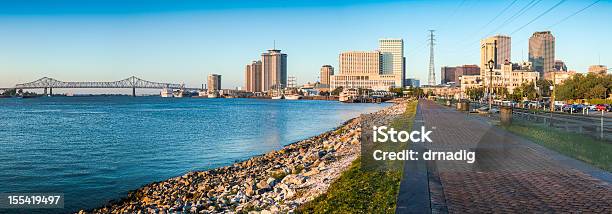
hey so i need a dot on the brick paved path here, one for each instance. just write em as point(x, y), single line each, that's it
point(510, 174)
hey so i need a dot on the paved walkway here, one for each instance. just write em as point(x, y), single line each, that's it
point(510, 174)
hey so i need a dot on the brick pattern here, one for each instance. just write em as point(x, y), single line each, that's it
point(508, 176)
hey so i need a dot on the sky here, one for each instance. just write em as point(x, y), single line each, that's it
point(182, 41)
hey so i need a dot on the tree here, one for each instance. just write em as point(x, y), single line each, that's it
point(598, 92)
point(582, 86)
point(544, 86)
point(398, 91)
point(337, 91)
point(527, 89)
point(475, 93)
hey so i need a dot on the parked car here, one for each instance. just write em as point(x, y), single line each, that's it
point(482, 110)
point(578, 107)
point(601, 107)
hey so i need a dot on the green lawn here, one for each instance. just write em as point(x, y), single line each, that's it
point(363, 191)
point(592, 151)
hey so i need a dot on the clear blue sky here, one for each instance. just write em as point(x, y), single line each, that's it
point(183, 41)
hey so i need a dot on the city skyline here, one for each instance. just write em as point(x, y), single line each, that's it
point(176, 43)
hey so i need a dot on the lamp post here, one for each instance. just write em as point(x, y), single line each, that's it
point(491, 64)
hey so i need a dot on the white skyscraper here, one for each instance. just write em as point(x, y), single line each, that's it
point(392, 51)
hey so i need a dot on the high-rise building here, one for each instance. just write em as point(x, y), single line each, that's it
point(560, 66)
point(253, 77)
point(496, 48)
point(598, 69)
point(542, 52)
point(326, 72)
point(214, 82)
point(452, 74)
point(392, 51)
point(274, 70)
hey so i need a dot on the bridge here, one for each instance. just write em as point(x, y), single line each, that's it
point(131, 82)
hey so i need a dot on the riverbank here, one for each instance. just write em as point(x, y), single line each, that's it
point(276, 182)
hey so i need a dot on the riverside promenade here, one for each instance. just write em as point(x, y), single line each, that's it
point(510, 175)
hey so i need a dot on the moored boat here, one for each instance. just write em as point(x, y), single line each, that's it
point(293, 97)
point(166, 92)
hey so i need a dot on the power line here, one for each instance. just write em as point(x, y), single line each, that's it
point(512, 18)
point(523, 10)
point(468, 42)
point(537, 17)
point(422, 45)
point(566, 18)
point(575, 13)
point(499, 14)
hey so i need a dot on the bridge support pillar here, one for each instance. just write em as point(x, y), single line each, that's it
point(45, 91)
point(133, 92)
point(51, 91)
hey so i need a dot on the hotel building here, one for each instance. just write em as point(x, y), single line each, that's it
point(253, 77)
point(542, 52)
point(326, 72)
point(362, 69)
point(378, 70)
point(274, 70)
point(214, 82)
point(496, 48)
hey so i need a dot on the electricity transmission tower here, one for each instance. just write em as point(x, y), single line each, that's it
point(432, 73)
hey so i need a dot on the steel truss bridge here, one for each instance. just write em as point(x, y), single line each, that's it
point(131, 82)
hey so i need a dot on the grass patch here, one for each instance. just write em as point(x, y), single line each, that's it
point(587, 149)
point(363, 191)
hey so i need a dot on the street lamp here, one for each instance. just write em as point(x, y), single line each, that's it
point(491, 64)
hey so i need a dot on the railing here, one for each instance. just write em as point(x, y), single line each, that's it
point(597, 125)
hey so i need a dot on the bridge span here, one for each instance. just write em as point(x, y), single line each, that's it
point(130, 82)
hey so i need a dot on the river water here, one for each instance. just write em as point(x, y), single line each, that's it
point(95, 149)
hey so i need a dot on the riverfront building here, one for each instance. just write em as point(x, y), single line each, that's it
point(559, 76)
point(598, 69)
point(362, 69)
point(451, 74)
point(252, 77)
point(542, 52)
point(496, 48)
point(509, 76)
point(326, 72)
point(378, 70)
point(274, 70)
point(214, 82)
